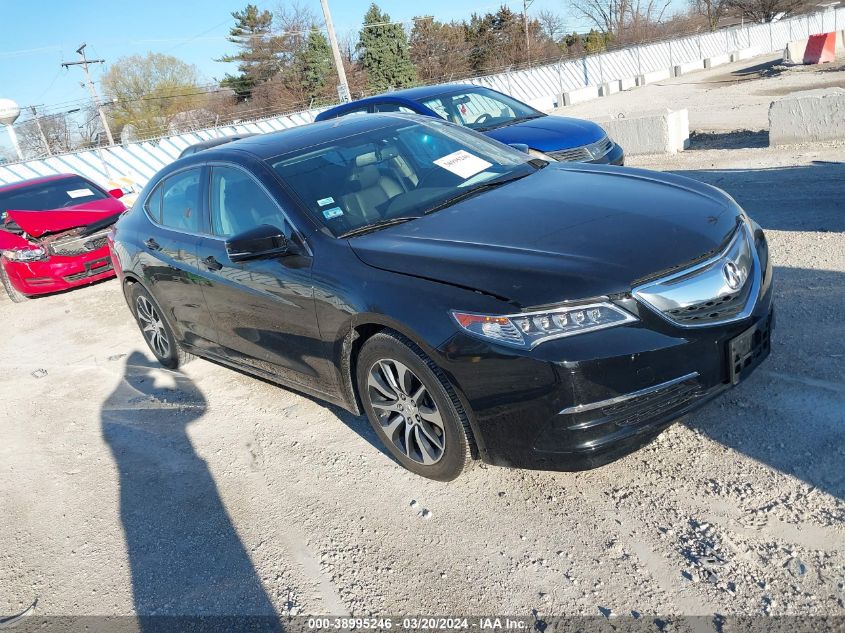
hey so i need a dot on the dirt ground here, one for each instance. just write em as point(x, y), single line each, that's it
point(726, 98)
point(128, 489)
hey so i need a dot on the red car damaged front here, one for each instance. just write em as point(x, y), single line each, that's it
point(57, 240)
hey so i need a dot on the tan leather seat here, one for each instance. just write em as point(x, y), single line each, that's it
point(373, 189)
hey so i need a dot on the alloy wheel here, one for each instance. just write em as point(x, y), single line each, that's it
point(152, 327)
point(406, 412)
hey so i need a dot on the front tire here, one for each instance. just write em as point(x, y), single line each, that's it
point(155, 330)
point(14, 294)
point(413, 408)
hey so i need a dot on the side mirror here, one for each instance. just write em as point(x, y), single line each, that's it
point(259, 242)
point(521, 147)
point(116, 193)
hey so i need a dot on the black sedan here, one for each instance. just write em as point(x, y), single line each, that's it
point(473, 301)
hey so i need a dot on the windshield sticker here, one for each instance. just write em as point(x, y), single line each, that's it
point(80, 193)
point(462, 163)
point(324, 201)
point(334, 212)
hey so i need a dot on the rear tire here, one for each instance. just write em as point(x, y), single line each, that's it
point(413, 407)
point(155, 329)
point(14, 294)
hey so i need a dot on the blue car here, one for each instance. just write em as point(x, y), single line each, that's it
point(499, 116)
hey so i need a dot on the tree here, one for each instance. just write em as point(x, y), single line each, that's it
point(384, 53)
point(258, 58)
point(438, 50)
point(551, 25)
point(147, 91)
point(712, 10)
point(625, 20)
point(55, 130)
point(764, 10)
point(314, 65)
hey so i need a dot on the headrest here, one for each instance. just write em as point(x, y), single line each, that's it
point(368, 176)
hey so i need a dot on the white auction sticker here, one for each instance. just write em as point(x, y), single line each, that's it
point(462, 163)
point(80, 193)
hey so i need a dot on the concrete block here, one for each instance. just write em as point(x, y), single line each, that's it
point(544, 104)
point(608, 88)
point(658, 132)
point(685, 69)
point(716, 60)
point(810, 116)
point(650, 78)
point(628, 83)
point(745, 53)
point(579, 96)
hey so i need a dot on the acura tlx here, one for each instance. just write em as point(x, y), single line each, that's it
point(475, 302)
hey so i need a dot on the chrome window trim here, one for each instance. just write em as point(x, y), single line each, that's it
point(756, 278)
point(580, 408)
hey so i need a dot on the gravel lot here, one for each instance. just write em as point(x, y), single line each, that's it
point(126, 488)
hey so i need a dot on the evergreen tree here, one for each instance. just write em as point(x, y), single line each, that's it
point(384, 52)
point(259, 55)
point(315, 64)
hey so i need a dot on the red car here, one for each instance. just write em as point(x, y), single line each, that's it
point(53, 234)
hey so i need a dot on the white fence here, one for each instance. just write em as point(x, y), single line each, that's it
point(137, 162)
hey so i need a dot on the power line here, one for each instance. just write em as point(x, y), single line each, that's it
point(84, 62)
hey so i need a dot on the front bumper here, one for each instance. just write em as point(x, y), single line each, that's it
point(59, 272)
point(580, 402)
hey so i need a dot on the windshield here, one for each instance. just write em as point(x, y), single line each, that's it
point(395, 172)
point(480, 108)
point(50, 195)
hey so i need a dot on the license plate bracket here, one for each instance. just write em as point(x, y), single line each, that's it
point(748, 349)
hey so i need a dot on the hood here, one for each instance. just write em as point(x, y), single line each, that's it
point(550, 133)
point(569, 231)
point(37, 223)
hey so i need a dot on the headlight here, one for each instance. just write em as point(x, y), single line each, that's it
point(31, 254)
point(529, 329)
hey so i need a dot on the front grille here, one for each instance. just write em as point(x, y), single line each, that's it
point(652, 405)
point(584, 153)
point(93, 268)
point(78, 245)
point(718, 290)
point(574, 155)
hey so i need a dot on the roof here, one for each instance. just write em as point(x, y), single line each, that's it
point(423, 92)
point(37, 181)
point(297, 138)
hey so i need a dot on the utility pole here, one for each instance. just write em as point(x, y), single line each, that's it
point(343, 86)
point(40, 130)
point(525, 5)
point(83, 61)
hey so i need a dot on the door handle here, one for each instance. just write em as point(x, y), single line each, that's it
point(211, 263)
point(152, 245)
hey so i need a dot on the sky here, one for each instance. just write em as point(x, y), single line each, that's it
point(48, 32)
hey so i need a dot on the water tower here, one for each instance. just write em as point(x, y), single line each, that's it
point(9, 112)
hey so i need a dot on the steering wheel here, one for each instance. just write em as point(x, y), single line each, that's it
point(483, 118)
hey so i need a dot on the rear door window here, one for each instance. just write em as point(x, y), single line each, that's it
point(180, 201)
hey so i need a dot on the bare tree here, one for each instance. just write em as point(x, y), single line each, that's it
point(551, 24)
point(293, 21)
point(764, 10)
point(624, 20)
point(55, 130)
point(713, 10)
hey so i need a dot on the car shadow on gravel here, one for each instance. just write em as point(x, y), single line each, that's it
point(185, 556)
point(738, 139)
point(807, 198)
point(790, 414)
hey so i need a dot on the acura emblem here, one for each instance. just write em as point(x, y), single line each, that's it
point(732, 276)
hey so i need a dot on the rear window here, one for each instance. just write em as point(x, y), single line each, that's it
point(50, 195)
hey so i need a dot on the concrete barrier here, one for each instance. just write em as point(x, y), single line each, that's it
point(810, 116)
point(627, 83)
point(544, 104)
point(689, 67)
point(717, 60)
point(657, 132)
point(579, 96)
point(745, 53)
point(794, 51)
point(650, 78)
point(610, 87)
